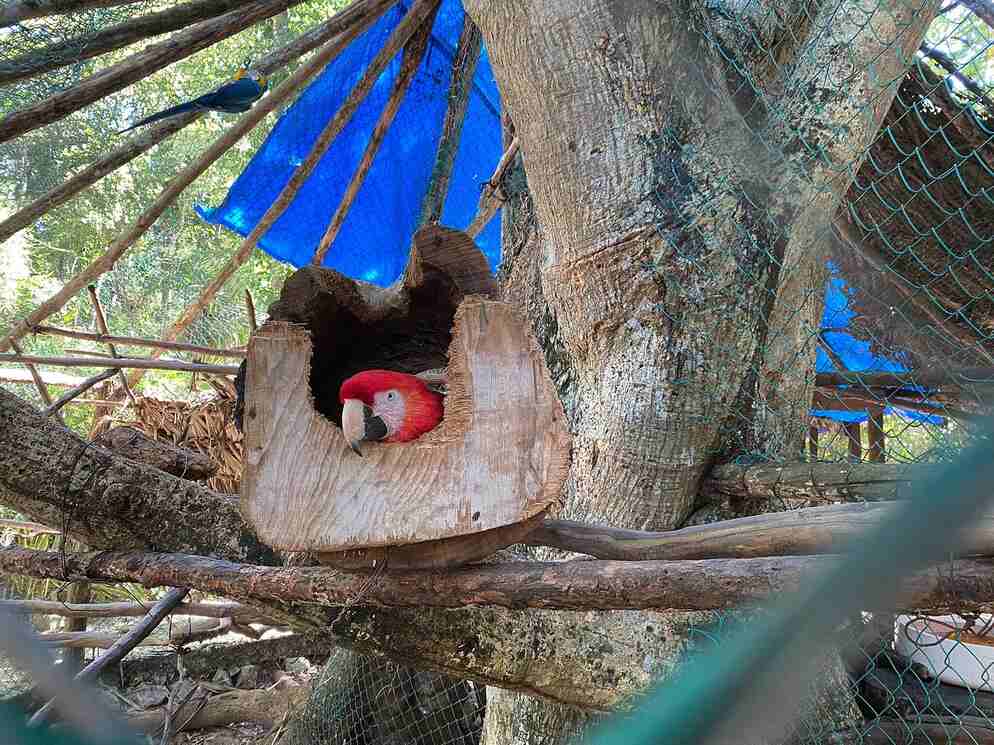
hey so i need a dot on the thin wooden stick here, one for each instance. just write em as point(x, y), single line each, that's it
point(490, 200)
point(351, 22)
point(405, 29)
point(140, 363)
point(156, 133)
point(135, 341)
point(79, 389)
point(413, 53)
point(77, 49)
point(138, 66)
point(250, 309)
point(241, 613)
point(28, 527)
point(853, 432)
point(877, 439)
point(15, 12)
point(101, 320)
point(39, 383)
point(463, 69)
point(122, 646)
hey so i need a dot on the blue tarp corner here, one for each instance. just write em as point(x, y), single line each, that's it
point(374, 241)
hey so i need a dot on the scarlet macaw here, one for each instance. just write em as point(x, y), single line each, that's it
point(236, 96)
point(385, 406)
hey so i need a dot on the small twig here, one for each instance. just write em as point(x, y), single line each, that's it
point(122, 646)
point(78, 390)
point(133, 341)
point(39, 383)
point(101, 320)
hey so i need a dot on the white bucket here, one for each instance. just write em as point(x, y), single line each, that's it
point(951, 660)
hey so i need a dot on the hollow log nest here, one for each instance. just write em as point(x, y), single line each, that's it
point(478, 482)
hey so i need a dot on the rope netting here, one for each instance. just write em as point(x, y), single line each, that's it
point(868, 331)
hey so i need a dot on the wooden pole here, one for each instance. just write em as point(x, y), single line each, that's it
point(853, 434)
point(860, 401)
point(490, 200)
point(413, 54)
point(78, 390)
point(39, 383)
point(813, 440)
point(463, 69)
point(351, 22)
point(237, 611)
point(140, 363)
point(78, 49)
point(156, 133)
point(15, 12)
point(974, 377)
point(101, 320)
point(875, 432)
point(250, 309)
point(138, 66)
point(28, 527)
point(79, 593)
point(418, 12)
point(134, 341)
point(122, 646)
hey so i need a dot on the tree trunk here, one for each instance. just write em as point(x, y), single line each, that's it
point(675, 271)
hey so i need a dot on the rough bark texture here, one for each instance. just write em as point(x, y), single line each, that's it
point(53, 476)
point(670, 270)
point(130, 443)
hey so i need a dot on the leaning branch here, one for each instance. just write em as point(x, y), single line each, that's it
point(15, 12)
point(76, 49)
point(138, 66)
point(491, 199)
point(234, 611)
point(709, 584)
point(79, 390)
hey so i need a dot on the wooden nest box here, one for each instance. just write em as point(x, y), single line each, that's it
point(478, 482)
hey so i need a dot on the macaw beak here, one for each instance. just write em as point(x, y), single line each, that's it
point(360, 424)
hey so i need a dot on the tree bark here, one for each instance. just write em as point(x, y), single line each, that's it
point(671, 274)
point(130, 443)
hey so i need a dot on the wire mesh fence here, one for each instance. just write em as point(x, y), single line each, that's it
point(880, 351)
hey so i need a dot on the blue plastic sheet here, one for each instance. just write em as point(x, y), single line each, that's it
point(374, 241)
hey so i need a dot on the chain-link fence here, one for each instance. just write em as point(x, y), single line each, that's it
point(869, 328)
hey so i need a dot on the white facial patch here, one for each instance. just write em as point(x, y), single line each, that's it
point(389, 406)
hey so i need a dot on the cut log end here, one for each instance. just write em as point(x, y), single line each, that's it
point(498, 459)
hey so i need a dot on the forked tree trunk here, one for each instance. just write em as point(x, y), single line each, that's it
point(676, 270)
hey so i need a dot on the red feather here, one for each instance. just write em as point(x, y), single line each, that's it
point(423, 407)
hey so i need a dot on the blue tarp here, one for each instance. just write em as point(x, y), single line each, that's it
point(854, 353)
point(375, 238)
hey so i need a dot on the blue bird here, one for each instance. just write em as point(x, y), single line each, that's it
point(236, 96)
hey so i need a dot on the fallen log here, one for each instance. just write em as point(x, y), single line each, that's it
point(130, 443)
point(262, 705)
point(708, 584)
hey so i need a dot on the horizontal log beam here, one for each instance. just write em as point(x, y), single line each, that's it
point(134, 341)
point(818, 482)
point(812, 530)
point(969, 378)
point(709, 584)
point(140, 363)
point(23, 10)
point(235, 611)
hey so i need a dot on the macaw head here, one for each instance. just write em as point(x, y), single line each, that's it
point(385, 406)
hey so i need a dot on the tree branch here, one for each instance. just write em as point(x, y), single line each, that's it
point(135, 341)
point(75, 50)
point(15, 12)
point(140, 363)
point(138, 66)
